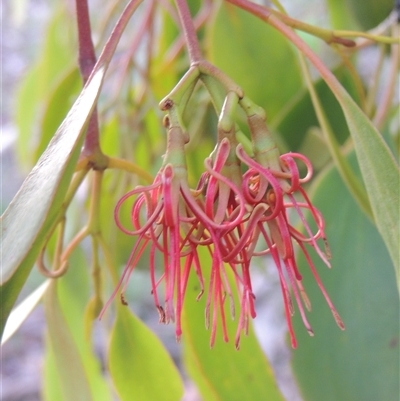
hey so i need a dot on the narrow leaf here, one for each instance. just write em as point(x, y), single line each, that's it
point(140, 367)
point(23, 310)
point(245, 54)
point(68, 363)
point(381, 175)
point(37, 205)
point(223, 373)
point(64, 313)
point(360, 363)
point(37, 201)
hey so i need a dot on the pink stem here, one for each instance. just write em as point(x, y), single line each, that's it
point(87, 60)
point(189, 31)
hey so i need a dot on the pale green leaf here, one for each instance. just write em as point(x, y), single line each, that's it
point(40, 80)
point(223, 373)
point(380, 173)
point(65, 312)
point(73, 296)
point(340, 15)
point(37, 201)
point(68, 363)
point(23, 310)
point(56, 106)
point(37, 205)
point(245, 48)
point(360, 363)
point(140, 367)
point(51, 386)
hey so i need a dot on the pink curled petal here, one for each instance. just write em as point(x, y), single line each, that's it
point(170, 199)
point(307, 163)
point(137, 190)
point(294, 173)
point(266, 174)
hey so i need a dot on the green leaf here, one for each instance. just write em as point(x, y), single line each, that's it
point(68, 363)
point(340, 15)
point(40, 80)
point(222, 373)
point(36, 206)
point(298, 116)
point(245, 53)
point(360, 363)
point(140, 367)
point(379, 169)
point(23, 310)
point(370, 13)
point(51, 385)
point(380, 173)
point(73, 296)
point(58, 102)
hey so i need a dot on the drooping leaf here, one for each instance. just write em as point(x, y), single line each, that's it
point(68, 363)
point(51, 386)
point(40, 79)
point(57, 104)
point(37, 205)
point(222, 373)
point(23, 310)
point(379, 169)
point(370, 13)
point(360, 363)
point(66, 310)
point(249, 52)
point(381, 175)
point(339, 15)
point(140, 367)
point(73, 296)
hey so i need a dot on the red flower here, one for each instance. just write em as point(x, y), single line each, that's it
point(164, 214)
point(228, 213)
point(278, 189)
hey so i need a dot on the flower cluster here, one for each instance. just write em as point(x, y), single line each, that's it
point(228, 213)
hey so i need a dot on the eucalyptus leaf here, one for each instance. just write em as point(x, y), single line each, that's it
point(56, 106)
point(37, 204)
point(222, 373)
point(40, 79)
point(68, 363)
point(360, 363)
point(380, 173)
point(23, 310)
point(51, 385)
point(73, 295)
point(245, 48)
point(140, 367)
point(340, 15)
point(379, 169)
point(35, 208)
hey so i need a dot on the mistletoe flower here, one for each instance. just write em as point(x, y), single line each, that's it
point(164, 215)
point(276, 183)
point(225, 219)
